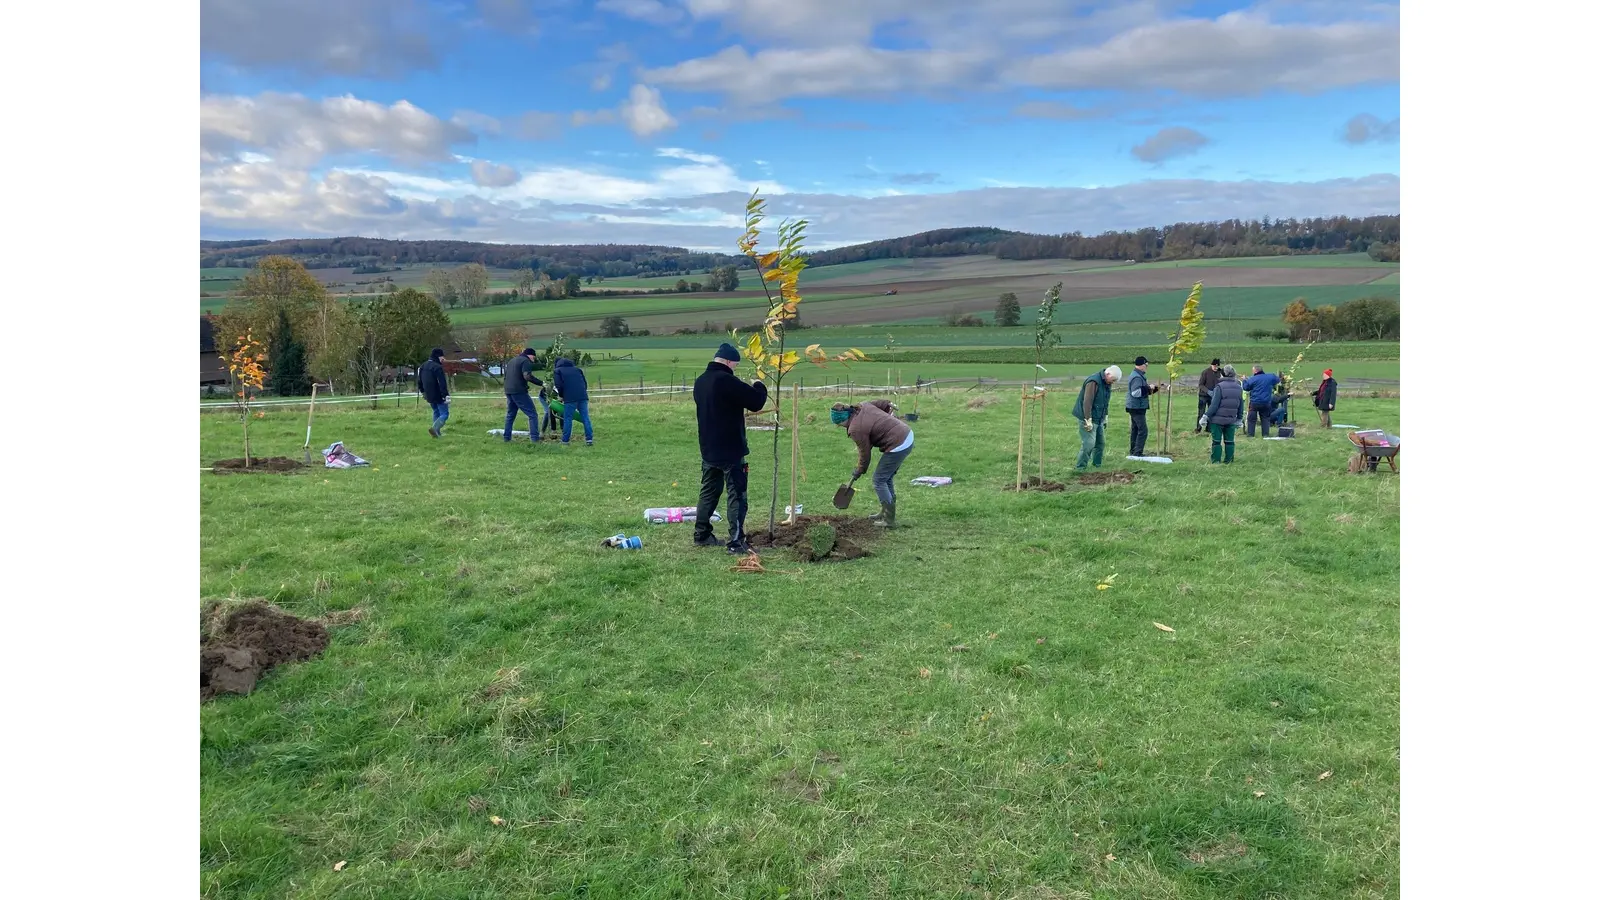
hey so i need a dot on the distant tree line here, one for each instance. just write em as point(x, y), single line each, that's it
point(583, 260)
point(1378, 236)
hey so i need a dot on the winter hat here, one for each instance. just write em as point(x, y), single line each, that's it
point(528, 351)
point(436, 354)
point(728, 352)
point(1113, 373)
point(1327, 373)
point(1139, 361)
point(1216, 362)
point(839, 416)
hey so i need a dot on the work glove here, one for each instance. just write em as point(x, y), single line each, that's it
point(1088, 425)
point(1204, 420)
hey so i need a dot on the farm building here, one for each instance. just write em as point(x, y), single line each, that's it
point(213, 370)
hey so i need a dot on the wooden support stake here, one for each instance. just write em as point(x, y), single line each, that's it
point(1022, 432)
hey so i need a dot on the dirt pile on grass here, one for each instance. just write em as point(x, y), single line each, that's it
point(852, 534)
point(278, 464)
point(239, 644)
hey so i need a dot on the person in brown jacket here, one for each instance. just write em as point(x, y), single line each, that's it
point(1208, 382)
point(872, 424)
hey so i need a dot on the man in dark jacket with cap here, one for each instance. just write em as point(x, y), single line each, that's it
point(1137, 404)
point(1208, 382)
point(720, 402)
point(519, 374)
point(573, 389)
point(1223, 414)
point(435, 389)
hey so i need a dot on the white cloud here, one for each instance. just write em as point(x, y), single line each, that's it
point(1170, 143)
point(1238, 54)
point(643, 113)
point(1367, 127)
point(945, 45)
point(297, 130)
point(315, 38)
point(493, 175)
point(695, 200)
point(774, 74)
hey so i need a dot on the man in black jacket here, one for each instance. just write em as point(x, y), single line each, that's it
point(720, 401)
point(519, 374)
point(435, 389)
point(1208, 382)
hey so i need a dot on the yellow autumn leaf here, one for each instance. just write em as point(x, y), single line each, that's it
point(1166, 628)
point(790, 358)
point(339, 866)
point(1101, 587)
point(773, 275)
point(1325, 775)
point(767, 259)
point(755, 345)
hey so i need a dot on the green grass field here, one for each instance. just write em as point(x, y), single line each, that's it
point(961, 714)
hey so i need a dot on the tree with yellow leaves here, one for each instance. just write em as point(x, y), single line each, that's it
point(1191, 334)
point(768, 349)
point(244, 364)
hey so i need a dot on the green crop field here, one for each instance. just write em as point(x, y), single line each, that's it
point(517, 711)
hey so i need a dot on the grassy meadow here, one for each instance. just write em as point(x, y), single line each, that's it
point(961, 714)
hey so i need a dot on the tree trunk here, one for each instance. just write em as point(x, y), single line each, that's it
point(1166, 431)
point(777, 425)
point(247, 438)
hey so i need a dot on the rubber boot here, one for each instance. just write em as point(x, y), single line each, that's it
point(888, 517)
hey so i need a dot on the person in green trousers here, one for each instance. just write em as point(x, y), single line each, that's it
point(1091, 408)
point(1223, 415)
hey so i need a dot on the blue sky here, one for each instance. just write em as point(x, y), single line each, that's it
point(649, 121)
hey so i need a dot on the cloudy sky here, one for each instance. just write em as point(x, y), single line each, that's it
point(649, 121)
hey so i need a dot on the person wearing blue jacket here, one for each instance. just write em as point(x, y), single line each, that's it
point(1259, 386)
point(573, 389)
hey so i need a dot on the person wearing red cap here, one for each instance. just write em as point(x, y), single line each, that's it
point(1327, 394)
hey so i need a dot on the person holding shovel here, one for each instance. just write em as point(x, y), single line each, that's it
point(435, 389)
point(1326, 396)
point(873, 424)
point(1091, 408)
point(1224, 414)
point(720, 401)
point(519, 374)
point(1137, 404)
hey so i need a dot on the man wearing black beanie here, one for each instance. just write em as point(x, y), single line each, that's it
point(1208, 383)
point(519, 374)
point(435, 389)
point(720, 401)
point(1137, 404)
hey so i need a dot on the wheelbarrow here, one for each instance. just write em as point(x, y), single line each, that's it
point(1376, 445)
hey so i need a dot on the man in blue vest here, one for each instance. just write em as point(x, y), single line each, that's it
point(1091, 408)
point(1137, 404)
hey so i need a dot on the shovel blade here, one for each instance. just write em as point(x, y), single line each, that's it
point(842, 497)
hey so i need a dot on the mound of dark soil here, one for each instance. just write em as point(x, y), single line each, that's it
point(1033, 483)
point(248, 641)
point(1108, 478)
point(854, 532)
point(277, 464)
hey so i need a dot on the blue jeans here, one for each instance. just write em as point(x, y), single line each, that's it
point(580, 408)
point(441, 412)
point(883, 476)
point(524, 404)
point(1094, 442)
